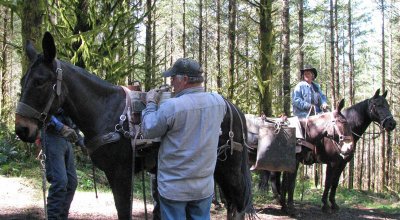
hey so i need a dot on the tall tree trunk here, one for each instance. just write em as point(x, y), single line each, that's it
point(266, 56)
point(389, 152)
point(153, 47)
point(219, 72)
point(231, 46)
point(147, 59)
point(31, 25)
point(350, 37)
point(200, 32)
point(286, 57)
point(206, 48)
point(337, 78)
point(4, 63)
point(184, 29)
point(332, 45)
point(383, 143)
point(301, 36)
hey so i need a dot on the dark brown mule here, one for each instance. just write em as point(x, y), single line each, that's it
point(96, 106)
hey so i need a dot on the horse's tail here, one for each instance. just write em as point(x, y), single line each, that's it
point(246, 176)
point(248, 197)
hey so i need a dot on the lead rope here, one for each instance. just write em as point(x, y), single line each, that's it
point(42, 157)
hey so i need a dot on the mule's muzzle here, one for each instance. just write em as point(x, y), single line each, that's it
point(26, 129)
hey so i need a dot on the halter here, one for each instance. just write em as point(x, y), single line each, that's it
point(371, 108)
point(30, 112)
point(342, 138)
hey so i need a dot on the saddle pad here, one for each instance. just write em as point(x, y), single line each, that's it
point(137, 100)
point(294, 122)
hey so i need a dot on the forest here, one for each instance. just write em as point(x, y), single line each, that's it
point(251, 52)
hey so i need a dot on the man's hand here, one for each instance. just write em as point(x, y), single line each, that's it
point(69, 134)
point(153, 96)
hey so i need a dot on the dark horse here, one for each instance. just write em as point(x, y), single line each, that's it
point(331, 126)
point(359, 117)
point(96, 106)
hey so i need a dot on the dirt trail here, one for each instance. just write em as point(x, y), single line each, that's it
point(20, 200)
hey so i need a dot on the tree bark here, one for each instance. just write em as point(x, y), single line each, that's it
point(184, 29)
point(301, 37)
point(266, 56)
point(286, 57)
point(219, 72)
point(383, 143)
point(148, 41)
point(332, 45)
point(231, 47)
point(200, 59)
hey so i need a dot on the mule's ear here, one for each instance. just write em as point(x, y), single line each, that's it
point(49, 48)
point(30, 51)
point(385, 94)
point(340, 105)
point(376, 93)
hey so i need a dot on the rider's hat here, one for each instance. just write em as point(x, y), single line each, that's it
point(310, 68)
point(184, 66)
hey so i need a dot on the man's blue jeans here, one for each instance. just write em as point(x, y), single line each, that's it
point(61, 174)
point(178, 210)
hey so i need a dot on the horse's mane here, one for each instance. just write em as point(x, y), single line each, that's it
point(356, 113)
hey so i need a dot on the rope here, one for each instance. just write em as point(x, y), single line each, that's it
point(42, 156)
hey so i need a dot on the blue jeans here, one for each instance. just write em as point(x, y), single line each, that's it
point(179, 210)
point(61, 174)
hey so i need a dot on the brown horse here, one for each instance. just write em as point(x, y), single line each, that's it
point(332, 126)
point(359, 117)
point(97, 107)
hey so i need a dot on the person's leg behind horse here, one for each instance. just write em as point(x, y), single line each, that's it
point(56, 174)
point(72, 179)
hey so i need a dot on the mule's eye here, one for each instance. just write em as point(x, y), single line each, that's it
point(38, 82)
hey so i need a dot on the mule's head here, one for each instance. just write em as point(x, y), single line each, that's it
point(379, 111)
point(339, 131)
point(40, 90)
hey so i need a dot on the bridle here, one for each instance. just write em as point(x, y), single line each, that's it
point(333, 123)
point(30, 112)
point(371, 110)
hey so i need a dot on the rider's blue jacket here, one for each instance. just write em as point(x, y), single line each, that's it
point(302, 98)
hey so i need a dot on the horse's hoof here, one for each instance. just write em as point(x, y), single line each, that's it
point(326, 209)
point(290, 210)
point(335, 207)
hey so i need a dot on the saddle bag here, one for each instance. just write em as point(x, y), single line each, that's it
point(276, 148)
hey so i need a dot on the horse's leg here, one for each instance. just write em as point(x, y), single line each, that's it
point(328, 184)
point(291, 181)
point(335, 182)
point(119, 179)
point(155, 195)
point(264, 179)
point(276, 184)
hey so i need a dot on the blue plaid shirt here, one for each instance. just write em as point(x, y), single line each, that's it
point(189, 126)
